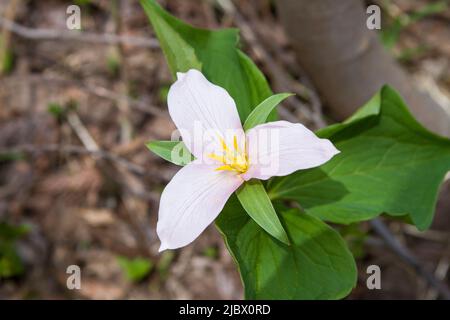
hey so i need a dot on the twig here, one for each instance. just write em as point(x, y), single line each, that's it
point(140, 105)
point(74, 149)
point(440, 272)
point(126, 128)
point(408, 257)
point(440, 96)
point(431, 235)
point(82, 133)
point(52, 34)
point(120, 176)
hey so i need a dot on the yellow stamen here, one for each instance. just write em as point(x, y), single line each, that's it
point(224, 145)
point(216, 157)
point(232, 160)
point(225, 168)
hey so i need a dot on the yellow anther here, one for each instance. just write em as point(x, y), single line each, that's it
point(216, 157)
point(232, 160)
point(224, 145)
point(225, 168)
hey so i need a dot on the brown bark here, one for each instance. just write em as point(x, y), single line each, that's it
point(346, 61)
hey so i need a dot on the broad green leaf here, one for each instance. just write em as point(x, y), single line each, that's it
point(172, 151)
point(179, 53)
point(260, 114)
point(388, 163)
point(212, 52)
point(317, 264)
point(256, 202)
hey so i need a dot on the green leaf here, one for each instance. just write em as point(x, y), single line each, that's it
point(164, 263)
point(56, 110)
point(172, 151)
point(212, 52)
point(6, 56)
point(10, 262)
point(389, 163)
point(260, 114)
point(256, 202)
point(428, 9)
point(135, 269)
point(12, 233)
point(11, 156)
point(211, 252)
point(317, 264)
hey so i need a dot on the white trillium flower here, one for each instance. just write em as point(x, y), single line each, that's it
point(226, 156)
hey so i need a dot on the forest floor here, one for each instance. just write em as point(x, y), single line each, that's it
point(75, 173)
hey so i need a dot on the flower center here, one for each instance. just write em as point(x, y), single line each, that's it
point(233, 159)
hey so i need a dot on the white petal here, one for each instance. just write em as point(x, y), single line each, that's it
point(280, 148)
point(202, 112)
point(191, 201)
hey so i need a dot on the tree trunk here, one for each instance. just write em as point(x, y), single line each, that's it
point(346, 61)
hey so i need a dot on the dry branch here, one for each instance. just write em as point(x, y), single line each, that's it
point(79, 150)
point(383, 231)
point(89, 37)
point(93, 89)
